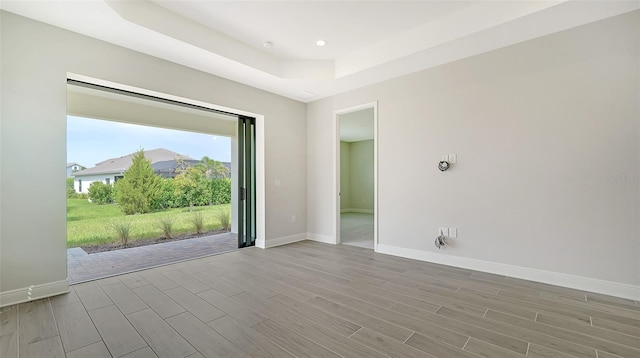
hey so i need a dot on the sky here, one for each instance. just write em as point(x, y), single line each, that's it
point(90, 141)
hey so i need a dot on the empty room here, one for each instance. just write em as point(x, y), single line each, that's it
point(486, 203)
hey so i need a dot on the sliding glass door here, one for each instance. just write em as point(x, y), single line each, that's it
point(246, 181)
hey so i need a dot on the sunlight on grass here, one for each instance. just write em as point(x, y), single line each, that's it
point(91, 224)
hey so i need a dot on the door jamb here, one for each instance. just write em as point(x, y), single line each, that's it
point(336, 177)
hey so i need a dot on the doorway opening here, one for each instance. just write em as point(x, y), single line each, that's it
point(356, 176)
point(234, 180)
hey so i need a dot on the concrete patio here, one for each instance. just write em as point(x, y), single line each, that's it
point(82, 266)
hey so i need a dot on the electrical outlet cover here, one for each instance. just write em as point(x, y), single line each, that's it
point(453, 232)
point(443, 231)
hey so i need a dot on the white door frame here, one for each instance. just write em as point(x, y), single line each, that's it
point(336, 161)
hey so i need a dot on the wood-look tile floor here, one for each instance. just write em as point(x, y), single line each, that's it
point(316, 300)
point(356, 229)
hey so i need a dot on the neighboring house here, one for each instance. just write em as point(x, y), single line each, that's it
point(74, 167)
point(164, 162)
point(171, 168)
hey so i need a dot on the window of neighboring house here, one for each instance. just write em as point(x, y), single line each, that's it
point(79, 185)
point(108, 181)
point(118, 177)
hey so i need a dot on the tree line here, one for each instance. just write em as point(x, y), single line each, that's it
point(141, 190)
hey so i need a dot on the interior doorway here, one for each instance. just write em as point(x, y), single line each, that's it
point(356, 176)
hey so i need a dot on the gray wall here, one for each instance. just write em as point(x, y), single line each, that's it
point(547, 138)
point(345, 175)
point(356, 176)
point(35, 61)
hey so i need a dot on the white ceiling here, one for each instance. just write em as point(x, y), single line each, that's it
point(368, 41)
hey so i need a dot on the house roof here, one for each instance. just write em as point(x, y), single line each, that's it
point(74, 163)
point(119, 165)
point(170, 165)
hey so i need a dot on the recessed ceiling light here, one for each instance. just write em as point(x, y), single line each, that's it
point(267, 44)
point(321, 43)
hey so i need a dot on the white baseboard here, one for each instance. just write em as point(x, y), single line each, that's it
point(33, 292)
point(360, 211)
point(554, 278)
point(281, 240)
point(321, 238)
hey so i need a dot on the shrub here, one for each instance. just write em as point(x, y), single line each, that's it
point(166, 225)
point(198, 222)
point(192, 187)
point(122, 229)
point(220, 191)
point(100, 193)
point(139, 189)
point(71, 191)
point(166, 198)
point(224, 217)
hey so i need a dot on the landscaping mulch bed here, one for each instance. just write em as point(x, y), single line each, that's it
point(92, 249)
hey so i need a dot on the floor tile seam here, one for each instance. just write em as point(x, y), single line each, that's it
point(96, 327)
point(516, 286)
point(465, 301)
point(46, 299)
point(406, 297)
point(137, 332)
point(185, 338)
point(411, 335)
point(86, 345)
point(543, 307)
point(325, 312)
point(270, 340)
point(465, 343)
point(363, 266)
point(622, 333)
point(480, 282)
point(599, 304)
point(358, 298)
point(152, 267)
point(594, 334)
point(544, 334)
point(248, 327)
point(456, 330)
point(497, 346)
point(384, 320)
point(626, 302)
point(318, 309)
point(187, 310)
point(92, 323)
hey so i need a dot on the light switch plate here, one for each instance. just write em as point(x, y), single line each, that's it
point(453, 232)
point(445, 158)
point(453, 158)
point(278, 182)
point(443, 231)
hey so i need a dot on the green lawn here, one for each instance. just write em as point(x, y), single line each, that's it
point(90, 224)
